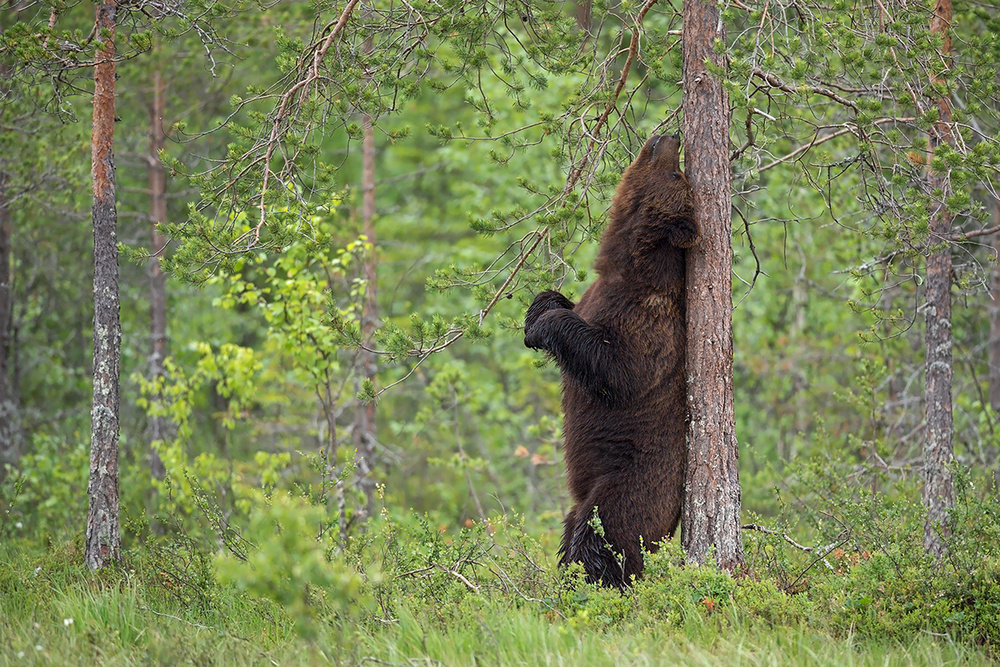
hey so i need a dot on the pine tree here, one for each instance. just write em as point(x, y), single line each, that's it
point(103, 541)
point(711, 513)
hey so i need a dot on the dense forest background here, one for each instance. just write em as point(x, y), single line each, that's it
point(331, 219)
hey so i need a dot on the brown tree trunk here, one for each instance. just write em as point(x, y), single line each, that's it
point(711, 515)
point(157, 278)
point(585, 14)
point(103, 542)
point(364, 424)
point(939, 487)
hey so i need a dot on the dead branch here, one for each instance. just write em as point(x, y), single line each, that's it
point(849, 128)
point(775, 82)
point(975, 234)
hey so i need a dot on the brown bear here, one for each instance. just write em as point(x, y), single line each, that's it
point(621, 350)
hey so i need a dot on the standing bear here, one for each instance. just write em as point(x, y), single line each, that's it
point(621, 350)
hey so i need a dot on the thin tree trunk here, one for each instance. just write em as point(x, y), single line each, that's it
point(364, 424)
point(103, 542)
point(994, 314)
point(339, 503)
point(711, 515)
point(939, 487)
point(585, 14)
point(9, 429)
point(9, 446)
point(158, 279)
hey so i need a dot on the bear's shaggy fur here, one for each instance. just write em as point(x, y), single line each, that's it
point(621, 350)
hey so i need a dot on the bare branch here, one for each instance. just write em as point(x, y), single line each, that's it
point(775, 82)
point(975, 234)
point(849, 128)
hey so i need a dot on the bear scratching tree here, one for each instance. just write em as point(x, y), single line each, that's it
point(622, 353)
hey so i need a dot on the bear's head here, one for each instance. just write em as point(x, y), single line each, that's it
point(653, 197)
point(654, 185)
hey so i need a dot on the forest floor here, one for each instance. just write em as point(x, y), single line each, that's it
point(168, 608)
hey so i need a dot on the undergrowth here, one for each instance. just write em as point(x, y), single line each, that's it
point(277, 586)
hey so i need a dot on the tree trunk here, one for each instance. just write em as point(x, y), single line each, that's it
point(585, 14)
point(711, 516)
point(939, 488)
point(103, 535)
point(364, 424)
point(9, 430)
point(158, 279)
point(9, 446)
point(994, 314)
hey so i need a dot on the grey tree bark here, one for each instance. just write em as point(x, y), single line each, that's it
point(939, 486)
point(103, 540)
point(711, 515)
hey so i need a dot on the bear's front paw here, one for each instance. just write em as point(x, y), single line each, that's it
point(537, 336)
point(543, 303)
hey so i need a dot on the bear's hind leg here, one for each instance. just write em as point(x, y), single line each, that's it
point(582, 544)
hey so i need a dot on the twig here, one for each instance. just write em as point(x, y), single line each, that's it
point(279, 115)
point(52, 25)
point(817, 140)
point(767, 531)
point(459, 576)
point(842, 539)
point(633, 49)
point(456, 334)
point(775, 82)
point(438, 566)
point(753, 251)
point(540, 234)
point(974, 234)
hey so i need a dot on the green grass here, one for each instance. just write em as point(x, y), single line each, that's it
point(522, 638)
point(117, 628)
point(53, 612)
point(406, 592)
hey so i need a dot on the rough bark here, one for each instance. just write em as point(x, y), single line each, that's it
point(157, 278)
point(711, 516)
point(939, 488)
point(364, 424)
point(103, 541)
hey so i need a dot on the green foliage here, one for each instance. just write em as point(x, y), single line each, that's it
point(410, 590)
point(46, 493)
point(289, 561)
